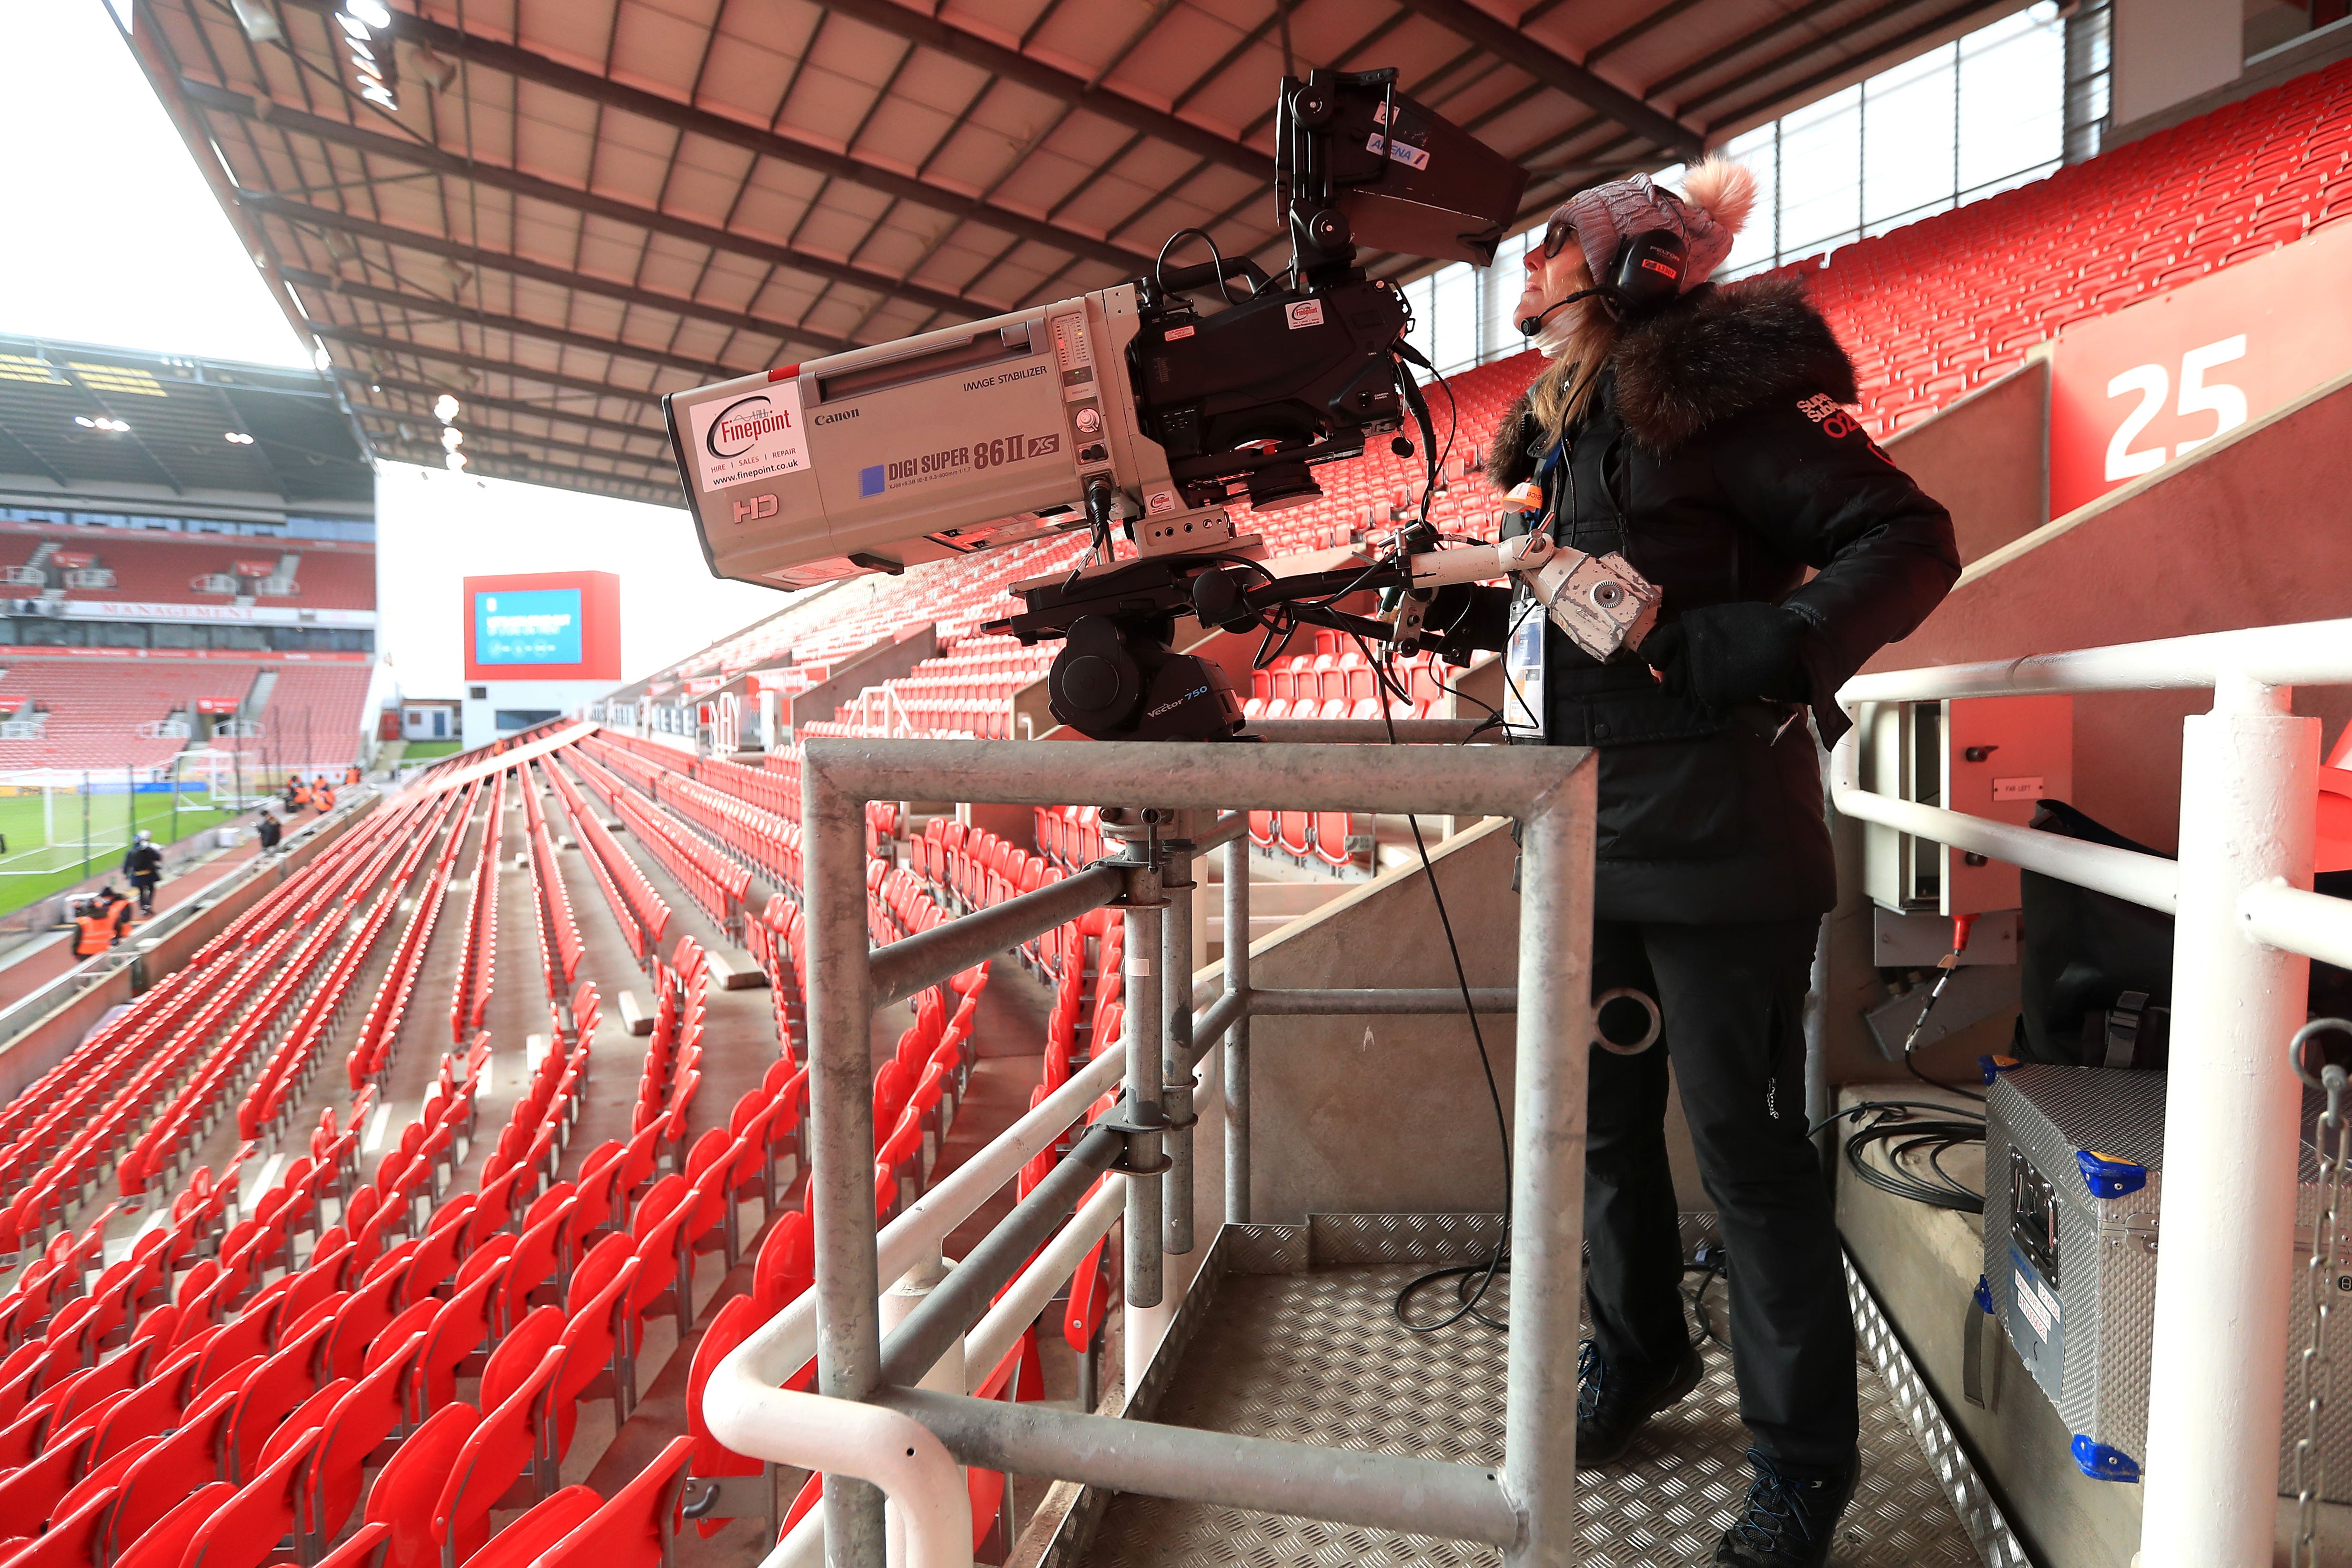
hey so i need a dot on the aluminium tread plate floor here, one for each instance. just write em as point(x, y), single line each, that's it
point(1319, 1357)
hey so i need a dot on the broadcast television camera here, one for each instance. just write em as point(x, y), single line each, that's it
point(1135, 414)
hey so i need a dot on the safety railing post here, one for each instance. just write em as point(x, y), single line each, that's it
point(2233, 1112)
point(1238, 1033)
point(841, 1112)
point(1176, 884)
point(1547, 1196)
point(1140, 992)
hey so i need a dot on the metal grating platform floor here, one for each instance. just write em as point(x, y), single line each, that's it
point(1318, 1357)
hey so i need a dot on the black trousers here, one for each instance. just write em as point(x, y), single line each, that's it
point(1732, 998)
point(145, 888)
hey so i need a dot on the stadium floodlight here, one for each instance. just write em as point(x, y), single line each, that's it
point(454, 462)
point(236, 438)
point(371, 12)
point(446, 409)
point(452, 439)
point(85, 421)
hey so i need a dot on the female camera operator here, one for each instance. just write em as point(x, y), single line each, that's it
point(1700, 433)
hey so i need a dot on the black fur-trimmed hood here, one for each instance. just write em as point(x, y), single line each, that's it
point(1718, 350)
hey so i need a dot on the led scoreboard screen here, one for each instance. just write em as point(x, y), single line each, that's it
point(528, 625)
point(543, 625)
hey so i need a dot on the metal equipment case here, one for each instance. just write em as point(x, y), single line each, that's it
point(2073, 1190)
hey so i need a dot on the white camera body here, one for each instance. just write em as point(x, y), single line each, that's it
point(968, 439)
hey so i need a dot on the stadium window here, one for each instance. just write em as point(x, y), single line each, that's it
point(1821, 173)
point(2089, 71)
point(524, 718)
point(1453, 314)
point(1967, 120)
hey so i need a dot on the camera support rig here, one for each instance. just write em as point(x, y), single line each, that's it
point(1119, 676)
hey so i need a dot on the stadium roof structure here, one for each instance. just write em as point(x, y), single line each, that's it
point(555, 212)
point(89, 425)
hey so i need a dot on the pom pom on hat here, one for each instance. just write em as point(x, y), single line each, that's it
point(1722, 189)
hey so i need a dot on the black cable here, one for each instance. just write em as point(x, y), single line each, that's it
point(1160, 264)
point(1499, 1262)
point(1915, 1071)
point(1906, 1136)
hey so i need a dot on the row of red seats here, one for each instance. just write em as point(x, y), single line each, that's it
point(128, 1077)
point(759, 786)
point(771, 843)
point(975, 869)
point(371, 1055)
point(585, 1009)
point(1070, 836)
point(917, 1090)
point(477, 947)
point(709, 878)
point(776, 941)
point(641, 913)
point(55, 1157)
point(672, 1071)
point(269, 1102)
point(258, 1014)
point(560, 947)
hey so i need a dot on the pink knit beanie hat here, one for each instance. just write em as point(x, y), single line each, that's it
point(1715, 202)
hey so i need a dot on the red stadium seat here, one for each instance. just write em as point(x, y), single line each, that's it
point(411, 1483)
point(634, 1529)
point(496, 1454)
point(244, 1532)
point(520, 1543)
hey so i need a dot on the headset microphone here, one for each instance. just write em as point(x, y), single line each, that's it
point(1529, 326)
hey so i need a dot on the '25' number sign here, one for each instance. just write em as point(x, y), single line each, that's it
point(2161, 378)
point(2225, 401)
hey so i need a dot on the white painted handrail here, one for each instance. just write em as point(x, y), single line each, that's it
point(1018, 1308)
point(2310, 923)
point(2309, 653)
point(2149, 879)
point(749, 1411)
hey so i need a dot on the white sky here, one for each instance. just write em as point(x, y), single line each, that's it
point(116, 238)
point(434, 529)
point(114, 235)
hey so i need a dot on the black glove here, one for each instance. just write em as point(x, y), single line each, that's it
point(1724, 655)
point(1463, 619)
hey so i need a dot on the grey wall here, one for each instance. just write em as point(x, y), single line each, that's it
point(2249, 532)
point(1987, 458)
point(2170, 51)
point(888, 662)
point(1392, 1115)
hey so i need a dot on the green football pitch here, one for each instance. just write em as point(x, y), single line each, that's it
point(46, 852)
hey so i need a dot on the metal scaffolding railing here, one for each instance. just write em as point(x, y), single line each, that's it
point(2245, 925)
point(871, 1429)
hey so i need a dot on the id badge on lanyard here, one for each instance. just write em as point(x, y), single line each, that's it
point(1523, 650)
point(1523, 672)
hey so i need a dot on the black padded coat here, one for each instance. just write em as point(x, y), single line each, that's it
point(1717, 456)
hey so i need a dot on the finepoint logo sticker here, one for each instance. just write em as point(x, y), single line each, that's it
point(757, 436)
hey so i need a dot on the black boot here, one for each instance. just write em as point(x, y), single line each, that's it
point(1789, 1521)
point(1613, 1399)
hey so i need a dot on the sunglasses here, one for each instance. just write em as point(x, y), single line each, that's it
point(1556, 234)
